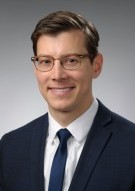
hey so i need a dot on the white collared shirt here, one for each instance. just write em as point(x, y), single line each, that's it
point(79, 130)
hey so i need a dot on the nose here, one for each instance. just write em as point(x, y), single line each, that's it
point(58, 72)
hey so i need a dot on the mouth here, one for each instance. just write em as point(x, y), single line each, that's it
point(61, 90)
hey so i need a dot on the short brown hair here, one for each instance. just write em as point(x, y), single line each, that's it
point(62, 21)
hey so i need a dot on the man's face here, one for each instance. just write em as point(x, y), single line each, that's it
point(66, 90)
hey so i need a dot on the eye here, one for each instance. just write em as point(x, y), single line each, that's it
point(71, 60)
point(44, 61)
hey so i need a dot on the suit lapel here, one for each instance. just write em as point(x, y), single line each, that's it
point(38, 138)
point(97, 139)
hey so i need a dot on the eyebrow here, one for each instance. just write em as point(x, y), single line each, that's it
point(64, 55)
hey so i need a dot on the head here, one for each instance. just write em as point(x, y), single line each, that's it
point(58, 22)
point(59, 35)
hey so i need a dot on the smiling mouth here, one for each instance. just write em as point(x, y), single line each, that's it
point(61, 90)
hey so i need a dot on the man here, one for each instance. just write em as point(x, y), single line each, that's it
point(99, 153)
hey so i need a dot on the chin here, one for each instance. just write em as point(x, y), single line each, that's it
point(61, 108)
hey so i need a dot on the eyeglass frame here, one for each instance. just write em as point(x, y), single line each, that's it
point(33, 59)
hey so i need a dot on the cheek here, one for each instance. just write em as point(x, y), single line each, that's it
point(84, 83)
point(41, 79)
point(86, 76)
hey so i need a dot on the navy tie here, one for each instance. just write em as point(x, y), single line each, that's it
point(59, 162)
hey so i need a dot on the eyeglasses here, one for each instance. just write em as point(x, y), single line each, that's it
point(46, 63)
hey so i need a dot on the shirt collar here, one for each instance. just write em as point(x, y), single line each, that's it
point(79, 128)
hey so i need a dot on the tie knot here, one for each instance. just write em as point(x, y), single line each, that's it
point(63, 135)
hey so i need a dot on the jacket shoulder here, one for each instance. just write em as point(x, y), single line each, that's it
point(107, 116)
point(26, 130)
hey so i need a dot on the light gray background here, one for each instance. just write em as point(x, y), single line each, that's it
point(20, 100)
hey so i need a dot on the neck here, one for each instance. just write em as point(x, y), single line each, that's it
point(64, 118)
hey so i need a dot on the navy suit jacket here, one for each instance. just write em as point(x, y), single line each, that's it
point(107, 162)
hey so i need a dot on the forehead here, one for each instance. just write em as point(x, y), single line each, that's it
point(64, 42)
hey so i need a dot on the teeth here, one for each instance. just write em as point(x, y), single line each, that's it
point(62, 90)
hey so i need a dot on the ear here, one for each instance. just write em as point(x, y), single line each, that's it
point(97, 65)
